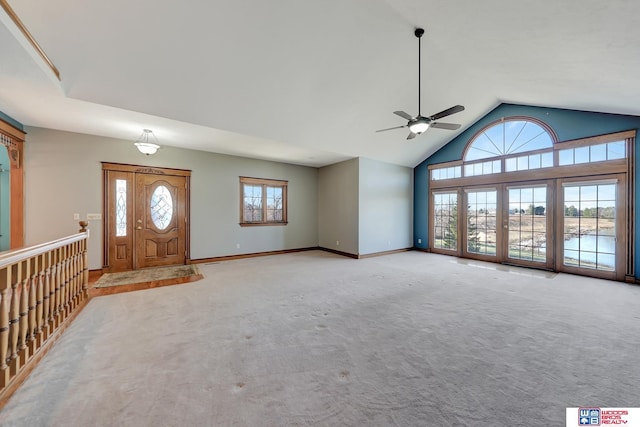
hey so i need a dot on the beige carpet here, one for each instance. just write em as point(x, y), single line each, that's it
point(315, 339)
point(146, 275)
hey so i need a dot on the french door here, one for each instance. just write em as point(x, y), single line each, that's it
point(481, 218)
point(520, 196)
point(572, 224)
point(592, 227)
point(146, 217)
point(528, 224)
point(508, 223)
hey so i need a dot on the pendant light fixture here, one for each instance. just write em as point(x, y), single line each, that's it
point(144, 145)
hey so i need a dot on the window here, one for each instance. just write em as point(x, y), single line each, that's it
point(446, 173)
point(263, 201)
point(445, 224)
point(483, 168)
point(509, 136)
point(526, 199)
point(499, 145)
point(121, 207)
point(161, 207)
point(590, 225)
point(594, 153)
point(527, 223)
point(531, 161)
point(482, 211)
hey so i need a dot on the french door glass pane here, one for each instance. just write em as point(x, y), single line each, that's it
point(589, 225)
point(481, 222)
point(445, 224)
point(528, 223)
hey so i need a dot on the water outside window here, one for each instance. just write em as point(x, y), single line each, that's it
point(590, 226)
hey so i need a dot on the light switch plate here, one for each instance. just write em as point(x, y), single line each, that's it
point(94, 216)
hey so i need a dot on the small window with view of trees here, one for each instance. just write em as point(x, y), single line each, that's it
point(263, 201)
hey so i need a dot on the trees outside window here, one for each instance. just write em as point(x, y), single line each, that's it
point(263, 201)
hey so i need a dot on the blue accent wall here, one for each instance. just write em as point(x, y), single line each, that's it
point(12, 122)
point(567, 124)
point(5, 200)
point(5, 193)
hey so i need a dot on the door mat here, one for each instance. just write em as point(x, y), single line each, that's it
point(112, 283)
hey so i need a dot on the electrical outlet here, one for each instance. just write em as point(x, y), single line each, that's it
point(94, 216)
point(419, 240)
point(237, 245)
point(337, 242)
point(76, 216)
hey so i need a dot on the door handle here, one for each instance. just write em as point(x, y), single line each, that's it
point(138, 228)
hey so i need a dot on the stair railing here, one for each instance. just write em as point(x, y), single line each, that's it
point(42, 288)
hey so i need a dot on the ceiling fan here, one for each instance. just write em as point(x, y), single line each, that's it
point(420, 123)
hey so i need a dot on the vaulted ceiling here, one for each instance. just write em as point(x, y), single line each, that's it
point(309, 82)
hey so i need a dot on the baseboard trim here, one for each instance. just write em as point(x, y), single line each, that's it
point(371, 255)
point(94, 275)
point(250, 255)
point(427, 250)
point(383, 253)
point(333, 251)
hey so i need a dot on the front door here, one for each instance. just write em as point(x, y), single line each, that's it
point(159, 220)
point(146, 217)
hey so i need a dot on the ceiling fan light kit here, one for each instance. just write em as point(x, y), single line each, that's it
point(419, 126)
point(420, 123)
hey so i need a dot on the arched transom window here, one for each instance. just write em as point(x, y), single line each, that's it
point(509, 136)
point(508, 145)
point(518, 144)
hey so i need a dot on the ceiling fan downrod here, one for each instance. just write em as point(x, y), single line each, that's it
point(418, 33)
point(418, 124)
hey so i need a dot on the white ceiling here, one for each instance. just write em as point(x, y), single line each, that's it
point(308, 82)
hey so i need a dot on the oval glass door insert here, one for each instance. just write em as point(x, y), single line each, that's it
point(161, 207)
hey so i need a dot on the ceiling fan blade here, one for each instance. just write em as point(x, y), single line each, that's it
point(397, 127)
point(412, 135)
point(449, 126)
point(447, 112)
point(403, 115)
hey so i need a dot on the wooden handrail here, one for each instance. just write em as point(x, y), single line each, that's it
point(42, 288)
point(11, 257)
